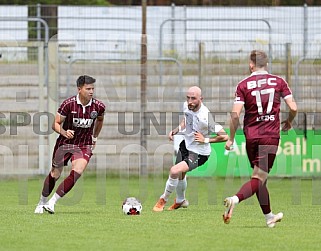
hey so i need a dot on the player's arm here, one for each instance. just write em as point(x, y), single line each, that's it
point(293, 110)
point(221, 136)
point(234, 123)
point(97, 128)
point(178, 129)
point(213, 128)
point(57, 127)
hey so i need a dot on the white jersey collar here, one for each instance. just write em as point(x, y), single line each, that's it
point(83, 106)
point(254, 73)
point(79, 103)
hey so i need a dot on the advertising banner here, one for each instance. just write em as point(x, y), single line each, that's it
point(298, 155)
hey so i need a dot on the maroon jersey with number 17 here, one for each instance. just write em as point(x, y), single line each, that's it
point(79, 118)
point(261, 95)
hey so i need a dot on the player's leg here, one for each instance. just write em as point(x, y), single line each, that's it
point(78, 166)
point(261, 154)
point(264, 201)
point(181, 188)
point(182, 182)
point(263, 193)
point(50, 180)
point(193, 160)
point(180, 200)
point(48, 186)
point(249, 188)
point(171, 184)
point(80, 159)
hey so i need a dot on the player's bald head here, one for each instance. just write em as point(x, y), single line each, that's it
point(194, 98)
point(195, 91)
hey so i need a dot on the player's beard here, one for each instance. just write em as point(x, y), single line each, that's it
point(193, 108)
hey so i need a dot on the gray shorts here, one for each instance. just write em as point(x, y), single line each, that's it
point(193, 160)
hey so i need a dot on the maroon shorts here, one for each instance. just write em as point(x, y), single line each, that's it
point(62, 154)
point(261, 152)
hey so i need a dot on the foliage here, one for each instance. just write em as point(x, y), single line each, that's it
point(167, 2)
point(56, 2)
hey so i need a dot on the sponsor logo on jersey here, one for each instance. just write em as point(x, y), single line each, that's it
point(81, 122)
point(94, 114)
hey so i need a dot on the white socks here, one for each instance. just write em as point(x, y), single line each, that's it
point(55, 198)
point(180, 190)
point(235, 199)
point(43, 200)
point(268, 216)
point(171, 184)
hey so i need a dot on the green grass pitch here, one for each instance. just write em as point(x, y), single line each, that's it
point(90, 216)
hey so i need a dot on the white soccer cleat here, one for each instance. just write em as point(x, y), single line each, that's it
point(276, 218)
point(39, 209)
point(50, 207)
point(229, 206)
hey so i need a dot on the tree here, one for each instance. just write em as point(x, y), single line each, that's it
point(56, 2)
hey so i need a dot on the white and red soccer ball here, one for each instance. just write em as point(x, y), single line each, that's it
point(132, 206)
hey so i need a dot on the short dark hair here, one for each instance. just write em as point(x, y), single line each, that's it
point(85, 79)
point(259, 58)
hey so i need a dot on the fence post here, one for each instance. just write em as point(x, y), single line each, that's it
point(52, 86)
point(201, 65)
point(43, 124)
point(173, 28)
point(38, 23)
point(288, 63)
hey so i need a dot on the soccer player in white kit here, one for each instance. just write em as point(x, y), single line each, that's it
point(197, 127)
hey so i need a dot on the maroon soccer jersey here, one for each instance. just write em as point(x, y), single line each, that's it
point(261, 95)
point(79, 118)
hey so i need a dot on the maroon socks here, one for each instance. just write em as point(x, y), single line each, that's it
point(68, 183)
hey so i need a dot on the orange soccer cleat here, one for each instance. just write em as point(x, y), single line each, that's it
point(159, 206)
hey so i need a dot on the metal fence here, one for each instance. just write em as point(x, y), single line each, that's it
point(187, 46)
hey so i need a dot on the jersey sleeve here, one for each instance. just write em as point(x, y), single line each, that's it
point(286, 91)
point(102, 109)
point(239, 95)
point(100, 106)
point(64, 109)
point(212, 125)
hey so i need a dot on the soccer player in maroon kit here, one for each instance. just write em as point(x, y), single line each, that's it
point(78, 122)
point(260, 94)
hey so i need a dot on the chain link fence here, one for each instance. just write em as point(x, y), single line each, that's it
point(187, 46)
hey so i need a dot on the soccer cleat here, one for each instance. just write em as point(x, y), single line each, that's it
point(39, 209)
point(50, 207)
point(276, 218)
point(159, 206)
point(229, 206)
point(183, 204)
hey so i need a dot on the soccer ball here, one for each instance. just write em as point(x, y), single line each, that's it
point(132, 206)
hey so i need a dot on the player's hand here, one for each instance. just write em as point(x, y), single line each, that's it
point(171, 135)
point(94, 141)
point(229, 144)
point(287, 125)
point(69, 134)
point(199, 137)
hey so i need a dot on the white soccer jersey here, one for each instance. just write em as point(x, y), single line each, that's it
point(200, 121)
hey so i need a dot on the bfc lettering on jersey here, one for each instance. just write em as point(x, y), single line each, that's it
point(81, 122)
point(270, 92)
point(259, 83)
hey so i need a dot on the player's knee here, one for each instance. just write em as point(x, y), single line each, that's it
point(174, 172)
point(259, 174)
point(55, 173)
